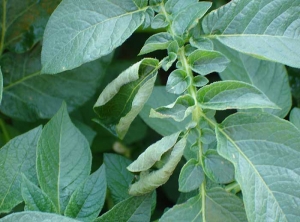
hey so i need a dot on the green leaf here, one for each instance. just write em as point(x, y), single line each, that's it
point(168, 61)
point(179, 110)
point(271, 78)
point(25, 90)
point(262, 28)
point(232, 95)
point(200, 81)
point(178, 82)
point(35, 199)
point(295, 117)
point(1, 85)
point(217, 168)
point(133, 209)
point(173, 7)
point(191, 176)
point(160, 97)
point(188, 17)
point(204, 62)
point(153, 153)
point(201, 43)
point(159, 21)
point(219, 206)
point(122, 99)
point(16, 157)
point(86, 130)
point(24, 22)
point(149, 15)
point(118, 178)
point(157, 41)
point(264, 150)
point(85, 35)
point(141, 3)
point(36, 217)
point(87, 201)
point(63, 159)
point(150, 181)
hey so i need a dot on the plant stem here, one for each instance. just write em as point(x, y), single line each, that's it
point(3, 26)
point(4, 131)
point(233, 187)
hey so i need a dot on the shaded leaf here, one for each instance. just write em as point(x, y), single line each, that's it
point(263, 28)
point(264, 150)
point(36, 217)
point(95, 31)
point(133, 209)
point(156, 42)
point(141, 3)
point(35, 199)
point(16, 157)
point(86, 130)
point(29, 96)
point(63, 159)
point(122, 99)
point(232, 95)
point(153, 153)
point(150, 181)
point(117, 176)
point(1, 85)
point(295, 117)
point(178, 82)
point(204, 62)
point(191, 176)
point(87, 201)
point(269, 77)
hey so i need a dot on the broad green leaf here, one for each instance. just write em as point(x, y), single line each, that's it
point(117, 176)
point(160, 97)
point(219, 206)
point(179, 110)
point(23, 22)
point(29, 96)
point(153, 153)
point(86, 31)
point(188, 17)
point(35, 199)
point(173, 7)
point(150, 181)
point(16, 157)
point(178, 82)
point(232, 95)
point(295, 117)
point(63, 159)
point(1, 85)
point(122, 99)
point(263, 28)
point(36, 217)
point(264, 150)
point(87, 201)
point(156, 42)
point(217, 168)
point(134, 209)
point(201, 43)
point(271, 78)
point(200, 81)
point(204, 62)
point(191, 176)
point(159, 21)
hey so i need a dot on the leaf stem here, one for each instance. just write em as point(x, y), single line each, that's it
point(4, 131)
point(3, 26)
point(203, 193)
point(234, 187)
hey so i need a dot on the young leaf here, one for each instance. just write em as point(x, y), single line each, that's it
point(149, 15)
point(232, 95)
point(219, 206)
point(141, 3)
point(25, 90)
point(204, 62)
point(86, 202)
point(202, 43)
point(295, 117)
point(150, 181)
point(188, 16)
point(217, 168)
point(132, 209)
point(36, 217)
point(16, 157)
point(173, 7)
point(153, 153)
point(200, 81)
point(95, 31)
point(179, 110)
point(273, 83)
point(35, 199)
point(252, 27)
point(156, 42)
point(169, 60)
point(264, 150)
point(191, 176)
point(159, 21)
point(63, 159)
point(128, 92)
point(178, 82)
point(24, 22)
point(118, 178)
